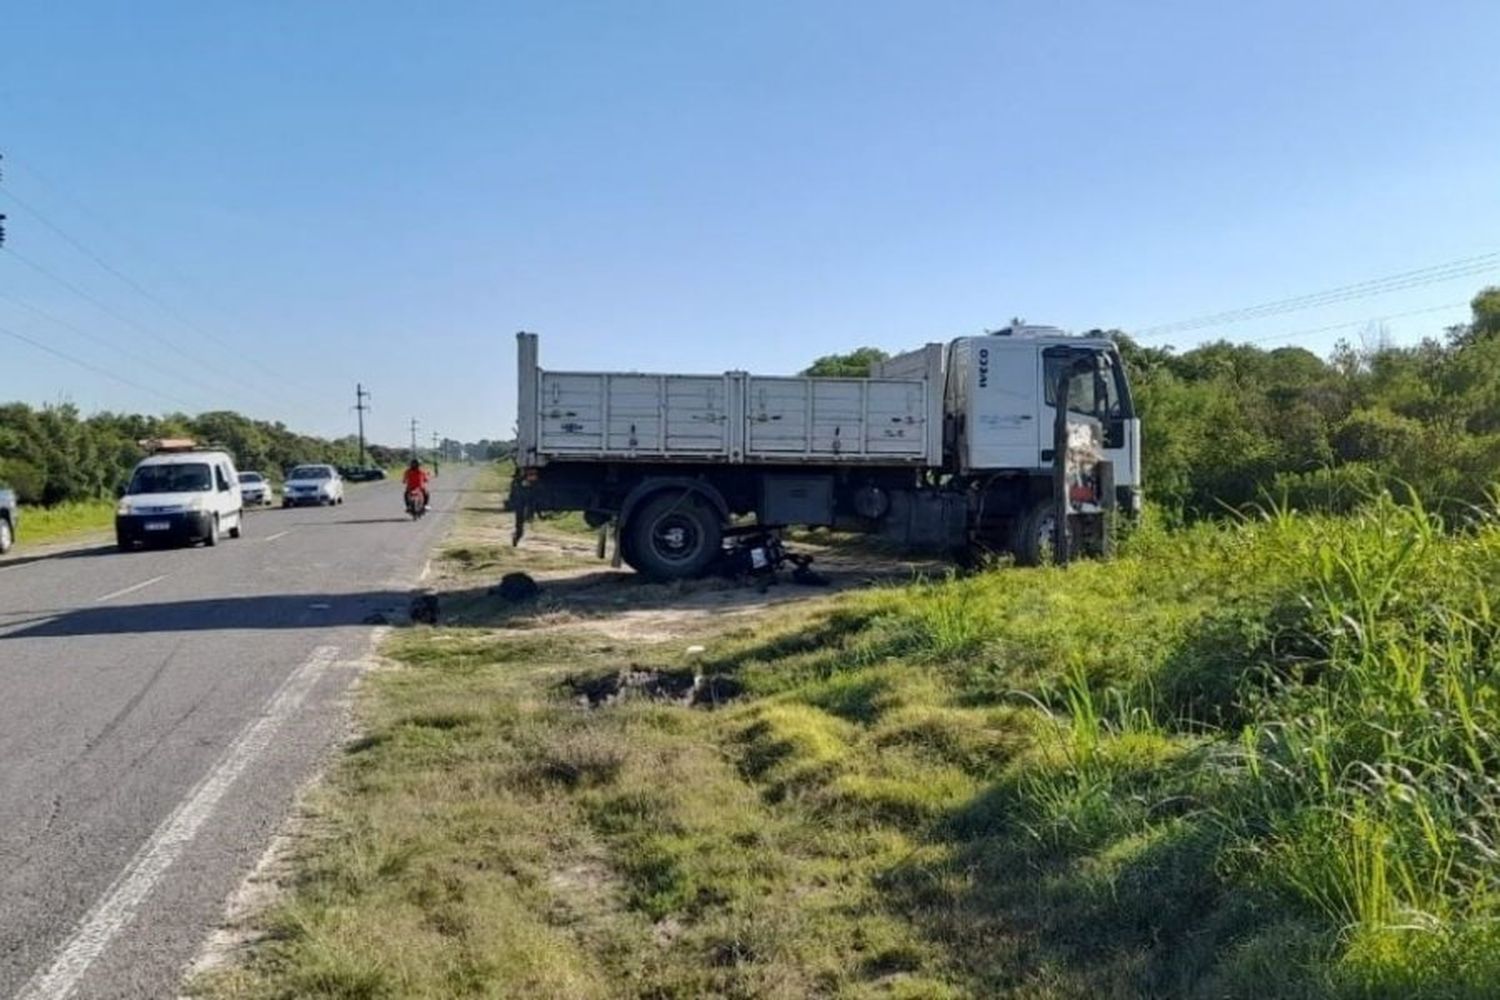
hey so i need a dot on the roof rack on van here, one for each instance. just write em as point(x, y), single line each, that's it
point(164, 446)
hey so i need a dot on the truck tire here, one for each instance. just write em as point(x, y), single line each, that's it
point(627, 552)
point(1034, 535)
point(673, 536)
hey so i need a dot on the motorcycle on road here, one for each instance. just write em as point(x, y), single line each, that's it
point(416, 506)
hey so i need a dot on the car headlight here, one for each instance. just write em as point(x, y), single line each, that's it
point(123, 508)
point(193, 503)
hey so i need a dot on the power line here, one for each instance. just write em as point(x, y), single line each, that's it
point(104, 307)
point(1352, 324)
point(114, 230)
point(136, 286)
point(106, 342)
point(1440, 272)
point(92, 367)
point(1463, 267)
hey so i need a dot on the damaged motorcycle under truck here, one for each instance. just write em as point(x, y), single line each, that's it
point(950, 448)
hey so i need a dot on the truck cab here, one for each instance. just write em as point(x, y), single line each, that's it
point(1001, 404)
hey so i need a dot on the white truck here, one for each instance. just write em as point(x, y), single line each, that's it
point(950, 447)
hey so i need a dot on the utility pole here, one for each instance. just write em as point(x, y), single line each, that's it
point(360, 395)
point(413, 437)
point(434, 453)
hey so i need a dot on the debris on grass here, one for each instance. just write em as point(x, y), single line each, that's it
point(516, 587)
point(682, 687)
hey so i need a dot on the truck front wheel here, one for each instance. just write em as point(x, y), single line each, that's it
point(1036, 535)
point(1034, 541)
point(673, 536)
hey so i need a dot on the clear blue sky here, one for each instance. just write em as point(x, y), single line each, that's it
point(387, 191)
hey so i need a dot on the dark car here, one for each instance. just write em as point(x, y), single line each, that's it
point(362, 474)
point(10, 518)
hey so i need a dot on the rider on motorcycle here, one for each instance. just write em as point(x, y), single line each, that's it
point(415, 478)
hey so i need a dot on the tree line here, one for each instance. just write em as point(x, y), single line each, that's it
point(1229, 425)
point(54, 454)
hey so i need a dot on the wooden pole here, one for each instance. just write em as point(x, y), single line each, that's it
point(1061, 503)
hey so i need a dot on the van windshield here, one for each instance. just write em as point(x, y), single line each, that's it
point(186, 478)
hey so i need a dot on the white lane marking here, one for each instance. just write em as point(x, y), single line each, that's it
point(129, 590)
point(118, 907)
point(279, 534)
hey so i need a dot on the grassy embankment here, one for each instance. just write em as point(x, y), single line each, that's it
point(65, 521)
point(1245, 761)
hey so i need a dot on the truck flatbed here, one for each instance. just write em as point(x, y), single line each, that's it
point(730, 418)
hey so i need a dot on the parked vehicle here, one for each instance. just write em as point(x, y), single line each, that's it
point(182, 494)
point(256, 489)
point(949, 447)
point(312, 484)
point(361, 473)
point(10, 520)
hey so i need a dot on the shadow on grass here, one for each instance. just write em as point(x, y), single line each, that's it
point(1147, 915)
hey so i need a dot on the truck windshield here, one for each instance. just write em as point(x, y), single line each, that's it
point(191, 478)
point(1098, 392)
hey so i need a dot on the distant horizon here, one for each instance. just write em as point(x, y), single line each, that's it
point(1267, 344)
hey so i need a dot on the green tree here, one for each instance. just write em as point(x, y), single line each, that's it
point(855, 364)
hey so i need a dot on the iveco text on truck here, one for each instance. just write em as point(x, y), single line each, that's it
point(949, 447)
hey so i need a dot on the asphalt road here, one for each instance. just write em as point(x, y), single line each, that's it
point(158, 711)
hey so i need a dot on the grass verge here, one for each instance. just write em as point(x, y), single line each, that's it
point(1243, 761)
point(64, 521)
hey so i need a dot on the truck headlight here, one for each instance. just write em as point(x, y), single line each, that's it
point(193, 503)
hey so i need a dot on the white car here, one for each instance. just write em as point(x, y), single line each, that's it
point(312, 484)
point(256, 489)
point(187, 495)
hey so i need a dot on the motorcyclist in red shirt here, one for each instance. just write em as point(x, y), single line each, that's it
point(415, 478)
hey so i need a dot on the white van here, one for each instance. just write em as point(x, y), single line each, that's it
point(181, 495)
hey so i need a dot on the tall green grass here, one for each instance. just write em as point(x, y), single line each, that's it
point(1271, 748)
point(64, 521)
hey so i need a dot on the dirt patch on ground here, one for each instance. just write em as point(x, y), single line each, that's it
point(577, 592)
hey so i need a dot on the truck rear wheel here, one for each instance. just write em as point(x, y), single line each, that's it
point(673, 536)
point(627, 552)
